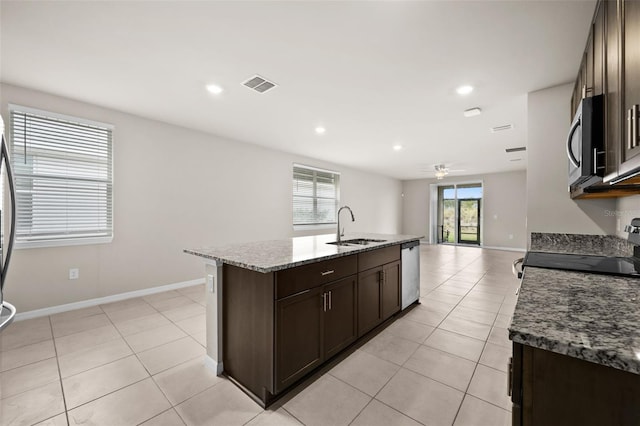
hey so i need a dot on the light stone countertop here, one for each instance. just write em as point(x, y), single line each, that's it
point(276, 255)
point(593, 317)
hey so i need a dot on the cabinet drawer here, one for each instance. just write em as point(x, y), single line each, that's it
point(295, 280)
point(371, 259)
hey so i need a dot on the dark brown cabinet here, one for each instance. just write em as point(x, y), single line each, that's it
point(598, 50)
point(551, 389)
point(313, 326)
point(299, 335)
point(630, 27)
point(612, 123)
point(390, 289)
point(280, 326)
point(614, 45)
point(369, 306)
point(379, 291)
point(339, 319)
point(590, 79)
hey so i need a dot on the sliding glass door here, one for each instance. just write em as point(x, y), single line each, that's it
point(459, 214)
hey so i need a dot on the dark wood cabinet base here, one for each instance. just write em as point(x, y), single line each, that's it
point(266, 398)
point(280, 327)
point(553, 389)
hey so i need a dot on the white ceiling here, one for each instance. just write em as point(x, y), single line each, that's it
point(373, 73)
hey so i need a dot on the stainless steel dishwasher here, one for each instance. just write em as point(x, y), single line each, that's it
point(410, 254)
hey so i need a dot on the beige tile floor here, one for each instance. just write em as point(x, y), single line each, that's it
point(140, 361)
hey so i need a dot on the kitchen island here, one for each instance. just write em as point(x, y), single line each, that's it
point(576, 341)
point(278, 310)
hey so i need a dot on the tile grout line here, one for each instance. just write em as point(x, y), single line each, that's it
point(151, 376)
point(145, 367)
point(131, 384)
point(421, 344)
point(55, 349)
point(109, 393)
point(476, 368)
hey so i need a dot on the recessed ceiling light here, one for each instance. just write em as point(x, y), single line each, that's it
point(320, 130)
point(472, 112)
point(464, 90)
point(397, 147)
point(214, 88)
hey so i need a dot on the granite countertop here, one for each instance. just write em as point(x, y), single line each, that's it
point(275, 255)
point(593, 245)
point(593, 317)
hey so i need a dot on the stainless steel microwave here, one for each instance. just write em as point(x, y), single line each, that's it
point(585, 147)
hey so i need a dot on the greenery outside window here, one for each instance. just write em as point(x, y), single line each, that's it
point(315, 196)
point(64, 180)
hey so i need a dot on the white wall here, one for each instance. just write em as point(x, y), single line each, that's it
point(175, 188)
point(549, 207)
point(504, 201)
point(626, 208)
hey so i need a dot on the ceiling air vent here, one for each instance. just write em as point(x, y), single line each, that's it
point(520, 148)
point(259, 84)
point(501, 128)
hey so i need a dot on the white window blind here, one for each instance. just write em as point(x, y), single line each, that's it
point(63, 175)
point(315, 195)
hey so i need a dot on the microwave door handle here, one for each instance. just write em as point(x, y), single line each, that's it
point(572, 157)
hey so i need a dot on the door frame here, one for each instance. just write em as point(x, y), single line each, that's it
point(479, 231)
point(433, 209)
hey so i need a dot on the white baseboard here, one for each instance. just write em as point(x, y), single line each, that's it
point(485, 247)
point(505, 248)
point(213, 365)
point(102, 300)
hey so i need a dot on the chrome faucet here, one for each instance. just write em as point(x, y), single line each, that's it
point(353, 219)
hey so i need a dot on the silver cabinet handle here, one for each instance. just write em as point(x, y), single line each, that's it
point(635, 123)
point(629, 128)
point(324, 302)
point(329, 300)
point(327, 272)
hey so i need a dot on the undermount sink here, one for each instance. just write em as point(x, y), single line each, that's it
point(356, 241)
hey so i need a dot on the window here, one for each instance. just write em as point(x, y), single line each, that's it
point(315, 196)
point(64, 183)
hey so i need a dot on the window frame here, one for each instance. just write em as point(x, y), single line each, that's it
point(323, 225)
point(62, 241)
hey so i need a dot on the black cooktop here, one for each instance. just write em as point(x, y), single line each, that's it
point(623, 266)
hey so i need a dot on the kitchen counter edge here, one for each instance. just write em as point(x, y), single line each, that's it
point(607, 337)
point(236, 254)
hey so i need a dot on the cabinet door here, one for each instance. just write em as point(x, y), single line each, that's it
point(391, 291)
point(299, 336)
point(598, 50)
point(613, 118)
point(588, 60)
point(369, 306)
point(339, 315)
point(631, 77)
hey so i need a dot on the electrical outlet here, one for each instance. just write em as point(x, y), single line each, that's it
point(511, 236)
point(74, 273)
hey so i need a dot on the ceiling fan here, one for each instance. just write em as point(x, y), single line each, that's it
point(441, 170)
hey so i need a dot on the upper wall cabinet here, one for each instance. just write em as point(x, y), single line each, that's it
point(630, 27)
point(611, 66)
